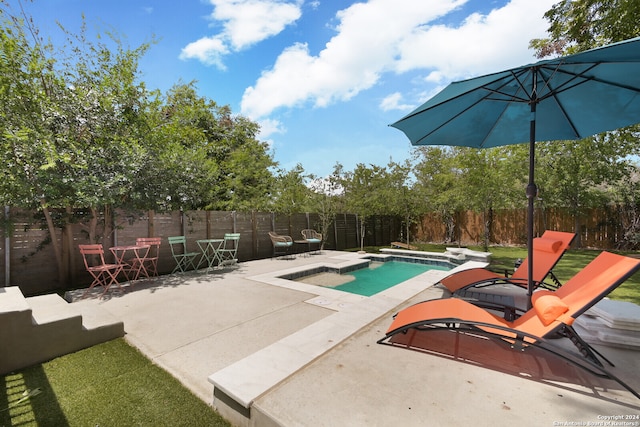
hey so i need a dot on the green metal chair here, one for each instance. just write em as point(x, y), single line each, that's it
point(229, 250)
point(183, 259)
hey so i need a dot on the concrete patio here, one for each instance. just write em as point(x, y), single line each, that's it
point(286, 353)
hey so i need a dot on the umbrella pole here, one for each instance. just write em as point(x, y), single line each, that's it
point(532, 192)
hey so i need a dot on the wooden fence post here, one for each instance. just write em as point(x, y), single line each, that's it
point(335, 230)
point(207, 216)
point(151, 230)
point(7, 249)
point(254, 234)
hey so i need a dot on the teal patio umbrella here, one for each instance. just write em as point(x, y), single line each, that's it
point(566, 98)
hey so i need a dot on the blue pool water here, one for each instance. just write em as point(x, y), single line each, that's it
point(377, 278)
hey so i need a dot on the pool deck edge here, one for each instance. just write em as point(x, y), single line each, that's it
point(246, 380)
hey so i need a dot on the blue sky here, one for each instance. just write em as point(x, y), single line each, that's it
point(324, 78)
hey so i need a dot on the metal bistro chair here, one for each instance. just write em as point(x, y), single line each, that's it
point(183, 258)
point(150, 262)
point(103, 274)
point(229, 250)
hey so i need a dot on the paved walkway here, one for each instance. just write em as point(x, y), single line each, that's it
point(290, 354)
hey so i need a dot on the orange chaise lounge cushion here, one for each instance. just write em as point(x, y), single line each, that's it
point(547, 245)
point(548, 306)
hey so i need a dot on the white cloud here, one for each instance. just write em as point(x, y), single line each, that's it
point(269, 127)
point(392, 102)
point(365, 46)
point(382, 36)
point(208, 50)
point(245, 23)
point(481, 44)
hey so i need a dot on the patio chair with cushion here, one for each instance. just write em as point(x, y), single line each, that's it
point(548, 249)
point(281, 244)
point(104, 275)
point(553, 314)
point(229, 250)
point(312, 237)
point(183, 258)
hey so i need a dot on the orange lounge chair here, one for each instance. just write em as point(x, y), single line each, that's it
point(548, 249)
point(552, 313)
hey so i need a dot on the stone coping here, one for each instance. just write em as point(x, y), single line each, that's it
point(251, 377)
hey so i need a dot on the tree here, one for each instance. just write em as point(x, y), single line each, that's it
point(578, 173)
point(364, 194)
point(68, 117)
point(576, 26)
point(436, 184)
point(401, 197)
point(626, 195)
point(490, 179)
point(325, 199)
point(181, 172)
point(246, 170)
point(82, 133)
point(451, 179)
point(201, 156)
point(290, 193)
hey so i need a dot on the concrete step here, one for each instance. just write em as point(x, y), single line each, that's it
point(96, 318)
point(12, 300)
point(40, 328)
point(14, 311)
point(51, 309)
point(96, 324)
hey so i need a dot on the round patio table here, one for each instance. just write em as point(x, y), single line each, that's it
point(210, 252)
point(133, 262)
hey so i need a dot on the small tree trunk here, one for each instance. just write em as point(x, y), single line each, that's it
point(488, 221)
point(93, 225)
point(68, 264)
point(54, 242)
point(407, 221)
point(578, 230)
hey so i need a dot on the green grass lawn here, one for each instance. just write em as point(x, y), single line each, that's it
point(110, 384)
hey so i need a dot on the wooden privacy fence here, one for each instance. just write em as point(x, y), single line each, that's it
point(27, 257)
point(599, 228)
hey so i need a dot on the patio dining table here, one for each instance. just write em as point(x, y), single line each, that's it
point(210, 252)
point(131, 257)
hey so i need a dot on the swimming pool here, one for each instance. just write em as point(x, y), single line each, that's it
point(371, 277)
point(381, 276)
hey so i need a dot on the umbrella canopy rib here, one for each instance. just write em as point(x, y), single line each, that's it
point(565, 86)
point(460, 113)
